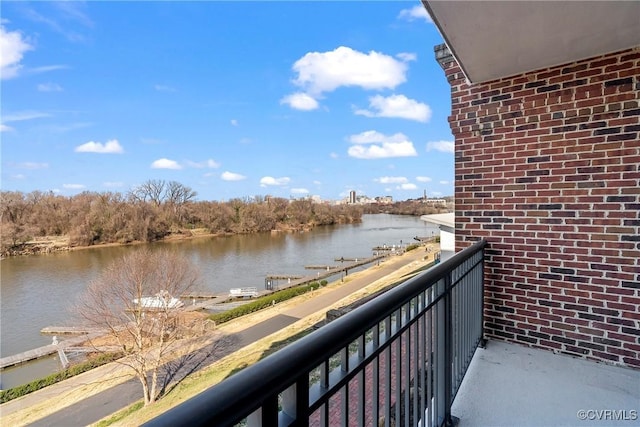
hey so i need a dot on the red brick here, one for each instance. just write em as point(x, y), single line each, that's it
point(563, 240)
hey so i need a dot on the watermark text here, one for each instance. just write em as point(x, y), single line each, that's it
point(607, 414)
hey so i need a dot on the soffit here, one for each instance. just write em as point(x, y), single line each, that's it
point(495, 39)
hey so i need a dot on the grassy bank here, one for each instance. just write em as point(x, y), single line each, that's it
point(23, 390)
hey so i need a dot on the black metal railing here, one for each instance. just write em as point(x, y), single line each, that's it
point(396, 360)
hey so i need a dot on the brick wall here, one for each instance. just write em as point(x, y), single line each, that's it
point(547, 169)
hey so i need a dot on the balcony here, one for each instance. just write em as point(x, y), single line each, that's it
point(401, 359)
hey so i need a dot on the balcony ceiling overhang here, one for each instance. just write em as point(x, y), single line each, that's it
point(495, 39)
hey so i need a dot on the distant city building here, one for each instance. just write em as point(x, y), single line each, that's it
point(352, 197)
point(435, 201)
point(384, 200)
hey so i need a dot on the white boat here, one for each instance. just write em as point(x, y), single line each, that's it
point(163, 300)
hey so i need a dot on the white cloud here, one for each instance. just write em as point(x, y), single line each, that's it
point(320, 72)
point(211, 164)
point(407, 186)
point(75, 11)
point(398, 106)
point(444, 146)
point(299, 191)
point(69, 127)
point(73, 186)
point(5, 128)
point(46, 69)
point(230, 176)
point(49, 87)
point(13, 46)
point(444, 182)
point(415, 13)
point(271, 181)
point(407, 56)
point(375, 145)
point(234, 122)
point(113, 184)
point(164, 88)
point(316, 182)
point(110, 147)
point(21, 116)
point(300, 101)
point(333, 155)
point(72, 11)
point(165, 164)
point(32, 165)
point(391, 180)
point(423, 179)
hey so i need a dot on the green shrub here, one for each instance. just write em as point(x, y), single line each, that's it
point(262, 302)
point(22, 390)
point(412, 247)
point(323, 283)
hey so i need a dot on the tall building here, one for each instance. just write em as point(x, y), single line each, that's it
point(352, 197)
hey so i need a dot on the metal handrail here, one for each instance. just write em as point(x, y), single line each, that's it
point(253, 392)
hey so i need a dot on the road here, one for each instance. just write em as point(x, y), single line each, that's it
point(100, 405)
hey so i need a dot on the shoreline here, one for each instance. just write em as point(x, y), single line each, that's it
point(44, 402)
point(55, 244)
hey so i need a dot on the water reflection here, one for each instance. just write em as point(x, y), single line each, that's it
point(37, 291)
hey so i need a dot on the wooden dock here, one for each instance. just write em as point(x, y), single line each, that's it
point(283, 277)
point(199, 295)
point(319, 267)
point(44, 351)
point(68, 330)
point(358, 262)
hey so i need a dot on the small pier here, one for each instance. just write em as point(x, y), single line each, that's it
point(385, 248)
point(199, 295)
point(67, 330)
point(297, 280)
point(47, 350)
point(283, 277)
point(319, 267)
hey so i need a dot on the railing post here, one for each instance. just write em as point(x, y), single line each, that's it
point(440, 357)
point(483, 340)
point(448, 352)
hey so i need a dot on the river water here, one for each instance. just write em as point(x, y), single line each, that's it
point(38, 291)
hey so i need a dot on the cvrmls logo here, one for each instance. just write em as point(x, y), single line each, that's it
point(608, 415)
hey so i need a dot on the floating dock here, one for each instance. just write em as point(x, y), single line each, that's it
point(291, 282)
point(44, 351)
point(199, 295)
point(68, 330)
point(319, 267)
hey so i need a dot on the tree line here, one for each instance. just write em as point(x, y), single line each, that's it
point(151, 212)
point(410, 207)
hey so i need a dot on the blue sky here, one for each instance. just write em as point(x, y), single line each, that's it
point(232, 99)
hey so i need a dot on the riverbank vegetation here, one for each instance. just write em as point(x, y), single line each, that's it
point(264, 302)
point(92, 362)
point(42, 222)
point(411, 207)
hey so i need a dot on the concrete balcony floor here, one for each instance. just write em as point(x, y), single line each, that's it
point(512, 385)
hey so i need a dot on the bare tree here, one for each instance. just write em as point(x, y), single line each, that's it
point(151, 190)
point(136, 302)
point(176, 195)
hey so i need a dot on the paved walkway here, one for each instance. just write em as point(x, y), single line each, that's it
point(125, 391)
